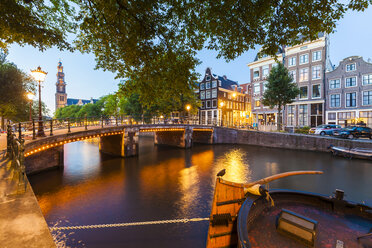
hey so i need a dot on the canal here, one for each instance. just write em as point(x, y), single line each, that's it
point(170, 183)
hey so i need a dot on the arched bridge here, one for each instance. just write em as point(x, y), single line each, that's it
point(122, 140)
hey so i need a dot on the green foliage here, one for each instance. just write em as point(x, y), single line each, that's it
point(280, 89)
point(68, 112)
point(303, 130)
point(38, 23)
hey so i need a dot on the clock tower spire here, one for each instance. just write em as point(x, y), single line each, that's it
point(61, 95)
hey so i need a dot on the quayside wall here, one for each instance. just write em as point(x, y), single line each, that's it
point(285, 140)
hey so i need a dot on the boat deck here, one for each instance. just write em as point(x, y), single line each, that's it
point(332, 226)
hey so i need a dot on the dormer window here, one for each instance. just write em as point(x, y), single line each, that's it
point(351, 67)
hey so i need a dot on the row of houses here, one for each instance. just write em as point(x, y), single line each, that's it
point(328, 94)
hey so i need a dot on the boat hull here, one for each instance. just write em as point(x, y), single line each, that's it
point(352, 153)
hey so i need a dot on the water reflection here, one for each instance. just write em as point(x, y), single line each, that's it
point(168, 183)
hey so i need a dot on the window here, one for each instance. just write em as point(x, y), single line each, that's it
point(302, 115)
point(203, 105)
point(208, 85)
point(367, 97)
point(256, 88)
point(303, 92)
point(264, 86)
point(214, 103)
point(334, 84)
point(61, 98)
point(215, 114)
point(257, 103)
point(202, 94)
point(214, 93)
point(219, 83)
point(214, 84)
point(208, 94)
point(304, 59)
point(290, 115)
point(274, 65)
point(208, 104)
point(303, 48)
point(292, 61)
point(304, 74)
point(350, 82)
point(256, 73)
point(202, 86)
point(316, 72)
point(317, 56)
point(316, 91)
point(293, 75)
point(351, 99)
point(331, 116)
point(335, 101)
point(367, 79)
point(346, 115)
point(351, 67)
point(265, 70)
point(208, 78)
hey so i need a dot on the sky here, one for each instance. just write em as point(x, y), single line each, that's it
point(352, 37)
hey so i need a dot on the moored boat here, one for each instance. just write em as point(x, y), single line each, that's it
point(363, 153)
point(247, 215)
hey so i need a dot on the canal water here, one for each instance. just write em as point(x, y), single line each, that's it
point(169, 183)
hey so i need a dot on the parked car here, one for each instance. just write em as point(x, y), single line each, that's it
point(326, 129)
point(354, 132)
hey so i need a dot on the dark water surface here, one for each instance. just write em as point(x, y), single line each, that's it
point(170, 183)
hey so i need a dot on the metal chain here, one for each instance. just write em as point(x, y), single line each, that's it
point(156, 222)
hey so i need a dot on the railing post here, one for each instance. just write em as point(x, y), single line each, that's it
point(86, 123)
point(68, 125)
point(21, 158)
point(33, 129)
point(102, 121)
point(9, 140)
point(19, 130)
point(51, 127)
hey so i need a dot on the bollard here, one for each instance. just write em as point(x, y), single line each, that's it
point(68, 125)
point(51, 127)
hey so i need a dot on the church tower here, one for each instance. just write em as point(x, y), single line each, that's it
point(61, 95)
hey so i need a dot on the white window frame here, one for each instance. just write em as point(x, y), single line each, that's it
point(299, 95)
point(330, 101)
point(369, 79)
point(356, 82)
point(202, 95)
point(214, 83)
point(290, 60)
point(329, 83)
point(299, 76)
point(293, 73)
point(346, 67)
point(214, 93)
point(302, 63)
point(206, 104)
point(320, 57)
point(265, 67)
point(208, 92)
point(356, 99)
point(320, 72)
point(254, 88)
point(363, 98)
point(254, 70)
point(320, 91)
point(202, 86)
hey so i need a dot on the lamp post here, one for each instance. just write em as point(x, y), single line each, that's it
point(221, 105)
point(39, 76)
point(30, 97)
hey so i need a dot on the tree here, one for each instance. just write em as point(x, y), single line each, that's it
point(280, 90)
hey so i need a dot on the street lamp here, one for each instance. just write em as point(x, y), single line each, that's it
point(39, 76)
point(30, 97)
point(188, 107)
point(221, 106)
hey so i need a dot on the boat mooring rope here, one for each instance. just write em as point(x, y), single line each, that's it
point(155, 222)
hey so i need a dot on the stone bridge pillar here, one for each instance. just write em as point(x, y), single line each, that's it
point(122, 145)
point(45, 160)
point(179, 138)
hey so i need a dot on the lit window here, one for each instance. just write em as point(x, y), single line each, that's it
point(304, 74)
point(303, 92)
point(257, 103)
point(316, 72)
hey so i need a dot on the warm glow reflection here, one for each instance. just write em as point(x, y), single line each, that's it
point(235, 163)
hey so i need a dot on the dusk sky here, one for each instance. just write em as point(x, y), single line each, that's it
point(353, 36)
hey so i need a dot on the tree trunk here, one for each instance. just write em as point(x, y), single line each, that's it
point(279, 124)
point(2, 123)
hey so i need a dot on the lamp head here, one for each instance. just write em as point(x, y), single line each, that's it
point(30, 96)
point(188, 107)
point(38, 74)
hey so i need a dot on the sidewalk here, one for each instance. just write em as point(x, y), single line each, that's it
point(22, 223)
